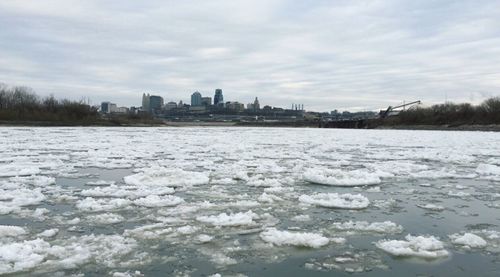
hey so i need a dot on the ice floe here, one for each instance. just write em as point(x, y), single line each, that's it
point(431, 207)
point(224, 219)
point(279, 238)
point(337, 177)
point(11, 231)
point(90, 204)
point(335, 200)
point(385, 227)
point(428, 247)
point(468, 240)
point(158, 201)
point(172, 177)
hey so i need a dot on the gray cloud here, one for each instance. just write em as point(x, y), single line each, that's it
point(325, 54)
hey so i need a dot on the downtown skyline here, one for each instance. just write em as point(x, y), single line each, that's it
point(363, 55)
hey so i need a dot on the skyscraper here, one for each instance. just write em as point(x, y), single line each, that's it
point(256, 104)
point(218, 98)
point(145, 102)
point(155, 103)
point(196, 99)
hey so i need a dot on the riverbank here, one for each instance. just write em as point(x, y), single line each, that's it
point(484, 128)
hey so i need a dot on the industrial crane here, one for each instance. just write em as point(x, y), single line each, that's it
point(385, 113)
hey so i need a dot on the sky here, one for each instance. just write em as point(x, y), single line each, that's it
point(326, 55)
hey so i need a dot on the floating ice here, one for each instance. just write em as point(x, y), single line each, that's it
point(9, 170)
point(279, 238)
point(335, 200)
point(49, 233)
point(158, 201)
point(203, 238)
point(299, 218)
point(431, 207)
point(11, 231)
point(488, 169)
point(100, 183)
point(386, 227)
point(255, 182)
point(468, 240)
point(161, 176)
point(427, 247)
point(126, 191)
point(458, 194)
point(336, 177)
point(90, 204)
point(224, 219)
point(106, 218)
point(269, 198)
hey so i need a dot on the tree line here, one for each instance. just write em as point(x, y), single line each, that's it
point(23, 104)
point(488, 112)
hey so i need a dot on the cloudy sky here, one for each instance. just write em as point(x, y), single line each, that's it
point(332, 54)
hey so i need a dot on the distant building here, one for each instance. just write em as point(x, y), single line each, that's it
point(255, 106)
point(151, 103)
point(197, 109)
point(206, 101)
point(235, 106)
point(196, 99)
point(122, 110)
point(145, 102)
point(170, 106)
point(108, 107)
point(155, 103)
point(218, 98)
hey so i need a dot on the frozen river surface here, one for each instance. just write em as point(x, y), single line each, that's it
point(248, 202)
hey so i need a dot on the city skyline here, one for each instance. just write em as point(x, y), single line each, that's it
point(363, 55)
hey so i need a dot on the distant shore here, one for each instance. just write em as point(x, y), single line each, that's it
point(465, 127)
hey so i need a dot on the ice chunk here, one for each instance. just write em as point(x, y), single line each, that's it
point(427, 247)
point(431, 207)
point(11, 231)
point(305, 217)
point(90, 204)
point(269, 198)
point(9, 170)
point(161, 176)
point(106, 218)
point(263, 182)
point(21, 256)
point(152, 201)
point(136, 273)
point(468, 240)
point(49, 233)
point(335, 200)
point(203, 238)
point(224, 219)
point(126, 191)
point(488, 169)
point(386, 227)
point(100, 183)
point(336, 177)
point(279, 238)
point(458, 194)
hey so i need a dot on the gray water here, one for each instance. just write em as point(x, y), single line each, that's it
point(413, 168)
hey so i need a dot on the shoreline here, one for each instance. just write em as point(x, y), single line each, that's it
point(180, 124)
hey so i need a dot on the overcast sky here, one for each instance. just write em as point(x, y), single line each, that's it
point(359, 55)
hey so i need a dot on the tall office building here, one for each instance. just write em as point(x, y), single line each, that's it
point(256, 104)
point(206, 101)
point(218, 98)
point(145, 102)
point(155, 103)
point(196, 99)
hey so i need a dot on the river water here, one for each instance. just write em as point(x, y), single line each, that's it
point(248, 202)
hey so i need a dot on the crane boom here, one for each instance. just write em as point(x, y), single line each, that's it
point(391, 108)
